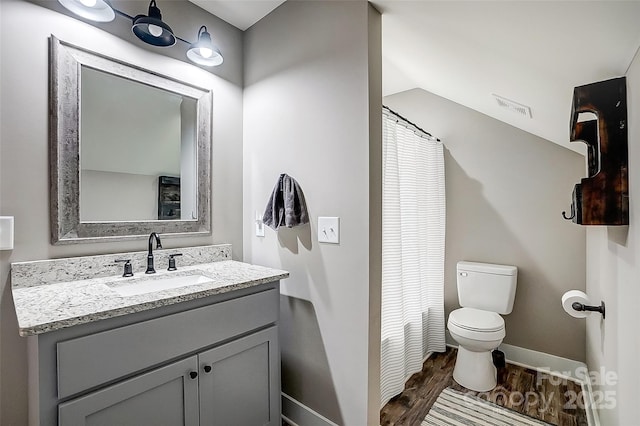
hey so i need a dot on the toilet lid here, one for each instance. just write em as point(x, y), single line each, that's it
point(476, 319)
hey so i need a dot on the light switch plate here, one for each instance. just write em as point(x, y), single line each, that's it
point(329, 230)
point(259, 225)
point(6, 232)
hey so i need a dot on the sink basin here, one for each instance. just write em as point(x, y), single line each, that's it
point(152, 285)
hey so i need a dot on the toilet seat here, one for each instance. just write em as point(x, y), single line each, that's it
point(476, 319)
point(476, 324)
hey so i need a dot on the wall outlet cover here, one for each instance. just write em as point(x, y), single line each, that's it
point(6, 232)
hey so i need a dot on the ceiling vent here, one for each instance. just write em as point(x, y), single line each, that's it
point(512, 106)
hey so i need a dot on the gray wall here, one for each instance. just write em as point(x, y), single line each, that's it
point(24, 181)
point(308, 96)
point(613, 268)
point(505, 191)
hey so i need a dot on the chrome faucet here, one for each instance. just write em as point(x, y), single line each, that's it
point(150, 269)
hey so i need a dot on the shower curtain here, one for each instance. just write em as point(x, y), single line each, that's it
point(413, 231)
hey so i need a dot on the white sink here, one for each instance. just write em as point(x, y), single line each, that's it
point(152, 285)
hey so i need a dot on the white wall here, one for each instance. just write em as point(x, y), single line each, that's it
point(308, 95)
point(24, 152)
point(613, 268)
point(108, 196)
point(505, 191)
point(129, 127)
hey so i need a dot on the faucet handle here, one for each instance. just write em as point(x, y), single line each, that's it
point(172, 261)
point(128, 271)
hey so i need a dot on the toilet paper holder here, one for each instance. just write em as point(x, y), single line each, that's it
point(582, 307)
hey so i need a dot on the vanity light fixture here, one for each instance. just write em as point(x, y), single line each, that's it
point(149, 28)
point(203, 52)
point(94, 10)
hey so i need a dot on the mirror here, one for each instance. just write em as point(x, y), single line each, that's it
point(130, 150)
point(139, 140)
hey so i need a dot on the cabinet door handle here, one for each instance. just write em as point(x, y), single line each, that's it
point(193, 374)
point(207, 369)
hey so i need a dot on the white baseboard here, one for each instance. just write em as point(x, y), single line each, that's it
point(296, 413)
point(541, 361)
point(561, 367)
point(288, 420)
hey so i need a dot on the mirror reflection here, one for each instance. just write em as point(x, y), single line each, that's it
point(137, 151)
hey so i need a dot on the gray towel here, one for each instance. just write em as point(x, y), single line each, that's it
point(286, 206)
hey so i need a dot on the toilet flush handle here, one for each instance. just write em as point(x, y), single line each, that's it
point(463, 274)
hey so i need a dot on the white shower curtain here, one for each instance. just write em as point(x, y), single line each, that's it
point(413, 231)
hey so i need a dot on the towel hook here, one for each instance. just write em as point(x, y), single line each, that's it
point(573, 213)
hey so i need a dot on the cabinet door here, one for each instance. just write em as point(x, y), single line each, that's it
point(165, 396)
point(240, 382)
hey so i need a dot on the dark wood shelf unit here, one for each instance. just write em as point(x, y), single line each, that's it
point(602, 198)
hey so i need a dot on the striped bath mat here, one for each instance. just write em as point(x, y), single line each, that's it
point(455, 408)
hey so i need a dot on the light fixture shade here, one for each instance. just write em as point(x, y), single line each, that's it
point(93, 10)
point(151, 29)
point(203, 52)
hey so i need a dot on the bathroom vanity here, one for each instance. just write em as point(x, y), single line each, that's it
point(106, 350)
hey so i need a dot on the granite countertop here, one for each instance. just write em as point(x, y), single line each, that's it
point(48, 307)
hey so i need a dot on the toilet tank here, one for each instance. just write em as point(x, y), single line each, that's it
point(487, 286)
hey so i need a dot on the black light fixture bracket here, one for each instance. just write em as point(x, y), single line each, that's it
point(132, 18)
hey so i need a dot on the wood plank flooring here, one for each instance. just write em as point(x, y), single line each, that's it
point(549, 398)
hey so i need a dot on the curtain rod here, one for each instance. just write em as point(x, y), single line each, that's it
point(409, 122)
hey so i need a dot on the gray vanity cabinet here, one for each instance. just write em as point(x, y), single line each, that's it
point(232, 387)
point(235, 382)
point(165, 396)
point(213, 361)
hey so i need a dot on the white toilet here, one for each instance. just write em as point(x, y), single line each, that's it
point(484, 291)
